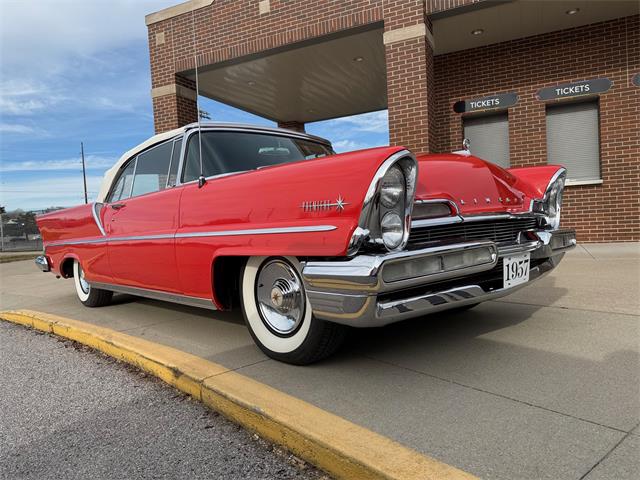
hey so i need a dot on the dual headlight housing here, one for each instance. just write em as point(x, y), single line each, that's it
point(385, 220)
point(552, 201)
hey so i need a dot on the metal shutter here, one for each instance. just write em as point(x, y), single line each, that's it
point(489, 137)
point(573, 139)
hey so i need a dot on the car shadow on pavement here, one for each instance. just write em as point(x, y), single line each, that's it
point(449, 326)
point(234, 317)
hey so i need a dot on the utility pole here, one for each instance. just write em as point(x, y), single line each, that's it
point(84, 174)
point(2, 210)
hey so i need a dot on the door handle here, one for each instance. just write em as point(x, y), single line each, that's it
point(117, 206)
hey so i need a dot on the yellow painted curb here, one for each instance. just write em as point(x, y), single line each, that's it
point(339, 447)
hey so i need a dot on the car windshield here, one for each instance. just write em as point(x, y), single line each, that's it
point(228, 152)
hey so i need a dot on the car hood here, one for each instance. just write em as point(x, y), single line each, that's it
point(475, 185)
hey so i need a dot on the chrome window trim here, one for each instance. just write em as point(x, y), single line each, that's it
point(96, 217)
point(257, 129)
point(274, 132)
point(133, 180)
point(218, 233)
point(171, 160)
point(135, 158)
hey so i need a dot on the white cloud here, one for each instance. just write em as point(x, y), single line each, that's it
point(64, 53)
point(349, 145)
point(91, 162)
point(15, 128)
point(374, 122)
point(43, 34)
point(38, 193)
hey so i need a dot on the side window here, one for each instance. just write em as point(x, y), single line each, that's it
point(122, 188)
point(227, 152)
point(175, 163)
point(152, 170)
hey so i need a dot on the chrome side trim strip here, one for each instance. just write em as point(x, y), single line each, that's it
point(157, 295)
point(87, 241)
point(258, 231)
point(221, 233)
point(96, 216)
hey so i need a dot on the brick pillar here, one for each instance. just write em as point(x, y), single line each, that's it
point(174, 105)
point(410, 79)
point(292, 125)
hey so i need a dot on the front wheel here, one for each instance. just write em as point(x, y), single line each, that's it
point(88, 295)
point(279, 316)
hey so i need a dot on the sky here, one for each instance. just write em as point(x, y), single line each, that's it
point(78, 71)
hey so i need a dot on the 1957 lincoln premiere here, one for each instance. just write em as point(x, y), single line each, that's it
point(307, 242)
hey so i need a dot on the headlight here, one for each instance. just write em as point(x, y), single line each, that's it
point(392, 230)
point(553, 200)
point(392, 188)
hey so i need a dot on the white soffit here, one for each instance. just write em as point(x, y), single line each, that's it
point(518, 19)
point(333, 78)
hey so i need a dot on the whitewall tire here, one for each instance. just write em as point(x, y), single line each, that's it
point(88, 295)
point(279, 315)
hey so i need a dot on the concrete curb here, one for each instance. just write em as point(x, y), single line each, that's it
point(18, 257)
point(339, 447)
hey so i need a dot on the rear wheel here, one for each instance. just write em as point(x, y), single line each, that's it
point(88, 295)
point(279, 316)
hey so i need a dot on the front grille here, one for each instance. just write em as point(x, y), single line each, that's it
point(495, 230)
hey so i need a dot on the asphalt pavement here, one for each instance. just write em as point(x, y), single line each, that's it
point(69, 412)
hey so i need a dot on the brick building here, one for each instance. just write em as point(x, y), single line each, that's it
point(528, 82)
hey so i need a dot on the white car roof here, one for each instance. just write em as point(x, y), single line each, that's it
point(110, 174)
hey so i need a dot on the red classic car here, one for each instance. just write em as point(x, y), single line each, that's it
point(306, 241)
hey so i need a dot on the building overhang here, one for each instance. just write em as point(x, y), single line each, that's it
point(306, 82)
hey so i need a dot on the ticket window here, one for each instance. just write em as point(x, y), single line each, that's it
point(573, 139)
point(489, 137)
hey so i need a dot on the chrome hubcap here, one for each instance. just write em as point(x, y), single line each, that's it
point(280, 297)
point(84, 285)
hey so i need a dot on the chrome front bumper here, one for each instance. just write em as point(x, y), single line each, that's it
point(357, 291)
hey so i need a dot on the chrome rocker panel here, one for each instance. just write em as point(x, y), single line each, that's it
point(348, 292)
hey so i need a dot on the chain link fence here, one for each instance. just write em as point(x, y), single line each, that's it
point(19, 233)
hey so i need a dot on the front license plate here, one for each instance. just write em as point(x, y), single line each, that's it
point(516, 270)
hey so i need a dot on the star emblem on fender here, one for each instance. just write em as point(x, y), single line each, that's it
point(340, 203)
point(319, 205)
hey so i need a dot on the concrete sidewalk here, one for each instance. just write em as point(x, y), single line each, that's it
point(542, 384)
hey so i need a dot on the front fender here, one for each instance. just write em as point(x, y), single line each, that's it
point(304, 209)
point(280, 206)
point(534, 180)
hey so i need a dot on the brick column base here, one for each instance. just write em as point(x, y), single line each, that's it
point(292, 125)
